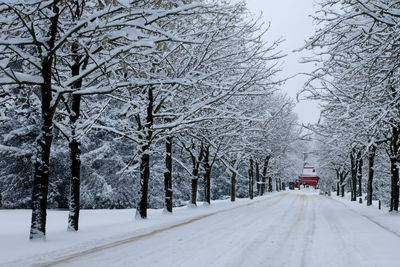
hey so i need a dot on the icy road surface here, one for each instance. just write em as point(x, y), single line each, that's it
point(289, 229)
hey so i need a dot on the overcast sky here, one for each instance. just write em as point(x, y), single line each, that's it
point(290, 20)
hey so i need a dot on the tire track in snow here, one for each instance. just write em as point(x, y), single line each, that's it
point(309, 236)
point(271, 233)
point(341, 245)
point(234, 243)
point(122, 242)
point(299, 217)
point(295, 223)
point(298, 237)
point(284, 243)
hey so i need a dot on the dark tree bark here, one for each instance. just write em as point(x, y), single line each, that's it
point(394, 161)
point(141, 210)
point(394, 200)
point(75, 146)
point(41, 173)
point(168, 175)
point(41, 177)
point(371, 158)
point(207, 175)
point(338, 182)
point(276, 185)
point(258, 182)
point(353, 161)
point(195, 174)
point(194, 190)
point(233, 186)
point(75, 157)
point(359, 174)
point(343, 176)
point(342, 190)
point(264, 175)
point(337, 189)
point(269, 184)
point(251, 179)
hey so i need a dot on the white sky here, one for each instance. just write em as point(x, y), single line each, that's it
point(290, 20)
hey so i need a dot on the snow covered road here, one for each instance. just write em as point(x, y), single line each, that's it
point(288, 229)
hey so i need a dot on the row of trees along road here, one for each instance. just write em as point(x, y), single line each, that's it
point(356, 48)
point(138, 95)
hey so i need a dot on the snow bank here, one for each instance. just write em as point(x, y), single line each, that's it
point(97, 227)
point(388, 220)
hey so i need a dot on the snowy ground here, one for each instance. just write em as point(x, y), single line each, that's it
point(292, 228)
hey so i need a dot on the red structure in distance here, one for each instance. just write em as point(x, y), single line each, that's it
point(309, 176)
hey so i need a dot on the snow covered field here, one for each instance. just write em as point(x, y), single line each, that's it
point(291, 228)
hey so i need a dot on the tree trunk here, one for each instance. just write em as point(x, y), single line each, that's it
point(207, 175)
point(75, 157)
point(195, 174)
point(337, 189)
point(371, 158)
point(394, 160)
point(270, 184)
point(338, 181)
point(258, 182)
point(263, 184)
point(342, 190)
point(276, 185)
point(75, 146)
point(194, 191)
point(168, 175)
point(353, 162)
point(342, 185)
point(141, 210)
point(41, 175)
point(394, 200)
point(233, 186)
point(74, 201)
point(359, 174)
point(264, 175)
point(43, 145)
point(251, 179)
